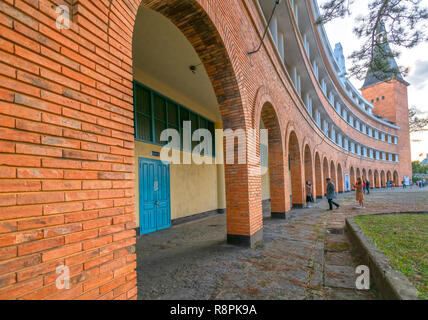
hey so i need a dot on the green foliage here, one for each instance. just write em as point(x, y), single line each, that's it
point(417, 167)
point(400, 23)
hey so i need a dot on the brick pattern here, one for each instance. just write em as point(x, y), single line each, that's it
point(66, 164)
point(319, 185)
point(394, 106)
point(309, 170)
point(67, 146)
point(340, 179)
point(277, 166)
point(297, 172)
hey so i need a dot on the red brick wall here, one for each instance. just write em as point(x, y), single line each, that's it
point(67, 146)
point(66, 168)
point(394, 106)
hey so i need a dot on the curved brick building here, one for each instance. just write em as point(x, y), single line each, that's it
point(84, 102)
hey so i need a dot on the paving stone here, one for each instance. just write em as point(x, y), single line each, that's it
point(339, 258)
point(347, 294)
point(299, 259)
point(340, 276)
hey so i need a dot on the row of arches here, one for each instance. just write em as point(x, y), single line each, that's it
point(302, 164)
point(306, 163)
point(377, 179)
point(292, 158)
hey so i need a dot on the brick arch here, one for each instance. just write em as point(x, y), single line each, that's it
point(216, 50)
point(319, 185)
point(358, 173)
point(388, 176)
point(269, 116)
point(192, 18)
point(277, 166)
point(377, 183)
point(396, 179)
point(371, 179)
point(306, 142)
point(291, 129)
point(263, 97)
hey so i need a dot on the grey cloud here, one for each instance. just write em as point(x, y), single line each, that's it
point(419, 74)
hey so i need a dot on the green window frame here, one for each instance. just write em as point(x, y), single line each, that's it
point(154, 112)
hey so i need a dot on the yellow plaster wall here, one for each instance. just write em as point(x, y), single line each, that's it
point(194, 188)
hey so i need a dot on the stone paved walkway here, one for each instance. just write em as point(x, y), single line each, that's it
point(305, 257)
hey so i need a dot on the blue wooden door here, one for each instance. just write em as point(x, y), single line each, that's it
point(155, 209)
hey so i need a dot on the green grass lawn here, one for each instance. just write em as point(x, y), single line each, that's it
point(404, 239)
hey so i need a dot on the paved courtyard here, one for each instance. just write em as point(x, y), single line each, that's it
point(305, 257)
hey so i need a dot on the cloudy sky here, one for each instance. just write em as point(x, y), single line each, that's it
point(415, 59)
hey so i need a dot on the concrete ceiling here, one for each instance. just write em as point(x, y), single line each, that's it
point(162, 57)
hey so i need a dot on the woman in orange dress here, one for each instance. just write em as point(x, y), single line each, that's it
point(359, 193)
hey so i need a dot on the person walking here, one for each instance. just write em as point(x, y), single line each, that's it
point(368, 186)
point(359, 193)
point(364, 186)
point(309, 198)
point(331, 194)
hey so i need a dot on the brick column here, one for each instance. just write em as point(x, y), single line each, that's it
point(319, 177)
point(340, 179)
point(296, 171)
point(279, 190)
point(244, 205)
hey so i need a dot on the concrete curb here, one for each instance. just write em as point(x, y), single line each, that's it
point(392, 284)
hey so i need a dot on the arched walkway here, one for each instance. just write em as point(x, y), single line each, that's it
point(396, 179)
point(276, 163)
point(192, 19)
point(371, 179)
point(382, 179)
point(377, 182)
point(389, 176)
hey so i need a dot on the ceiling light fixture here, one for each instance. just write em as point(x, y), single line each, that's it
point(193, 68)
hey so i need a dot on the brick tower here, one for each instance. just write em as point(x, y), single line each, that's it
point(387, 90)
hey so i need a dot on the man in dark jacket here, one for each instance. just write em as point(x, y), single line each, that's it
point(331, 194)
